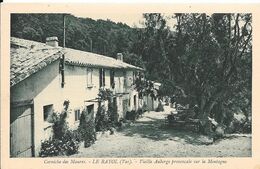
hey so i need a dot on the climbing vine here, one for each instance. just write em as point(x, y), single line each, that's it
point(106, 118)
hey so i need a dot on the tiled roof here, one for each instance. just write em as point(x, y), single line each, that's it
point(82, 58)
point(28, 57)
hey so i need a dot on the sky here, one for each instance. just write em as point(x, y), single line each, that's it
point(131, 19)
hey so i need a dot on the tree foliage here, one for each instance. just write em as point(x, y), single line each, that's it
point(100, 36)
point(206, 59)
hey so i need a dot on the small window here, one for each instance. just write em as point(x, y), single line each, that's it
point(77, 115)
point(135, 101)
point(47, 112)
point(89, 77)
point(90, 109)
point(129, 102)
point(101, 77)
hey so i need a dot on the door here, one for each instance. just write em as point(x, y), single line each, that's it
point(21, 129)
point(90, 113)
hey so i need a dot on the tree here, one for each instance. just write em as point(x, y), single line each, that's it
point(215, 60)
point(152, 46)
point(207, 59)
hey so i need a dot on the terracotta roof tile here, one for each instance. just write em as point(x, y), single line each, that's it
point(82, 58)
point(26, 60)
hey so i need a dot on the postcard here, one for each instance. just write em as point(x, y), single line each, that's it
point(129, 85)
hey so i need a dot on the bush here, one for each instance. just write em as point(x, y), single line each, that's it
point(102, 120)
point(51, 148)
point(86, 130)
point(68, 145)
point(65, 141)
point(71, 144)
point(60, 126)
point(247, 127)
point(112, 112)
point(131, 115)
point(160, 107)
point(105, 120)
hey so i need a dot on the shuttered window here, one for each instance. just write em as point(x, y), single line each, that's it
point(77, 115)
point(101, 77)
point(89, 77)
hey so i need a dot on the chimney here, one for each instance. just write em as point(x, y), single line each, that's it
point(52, 41)
point(119, 56)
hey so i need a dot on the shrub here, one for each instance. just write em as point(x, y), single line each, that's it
point(105, 120)
point(68, 145)
point(160, 107)
point(64, 141)
point(86, 130)
point(101, 120)
point(247, 127)
point(50, 148)
point(60, 125)
point(131, 115)
point(112, 112)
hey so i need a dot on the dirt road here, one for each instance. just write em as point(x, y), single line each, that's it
point(149, 136)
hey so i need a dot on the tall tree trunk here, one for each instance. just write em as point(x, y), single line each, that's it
point(205, 110)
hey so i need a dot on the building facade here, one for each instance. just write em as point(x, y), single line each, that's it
point(43, 76)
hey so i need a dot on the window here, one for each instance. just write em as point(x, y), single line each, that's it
point(47, 112)
point(120, 86)
point(77, 115)
point(101, 77)
point(90, 109)
point(112, 79)
point(89, 77)
point(129, 102)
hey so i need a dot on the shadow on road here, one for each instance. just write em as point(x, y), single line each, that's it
point(157, 130)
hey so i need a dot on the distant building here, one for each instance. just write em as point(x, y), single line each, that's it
point(43, 76)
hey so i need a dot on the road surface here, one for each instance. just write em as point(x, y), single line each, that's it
point(149, 136)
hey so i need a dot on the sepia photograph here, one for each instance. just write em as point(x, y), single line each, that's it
point(132, 85)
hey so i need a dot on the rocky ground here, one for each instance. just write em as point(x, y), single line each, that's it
point(149, 136)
